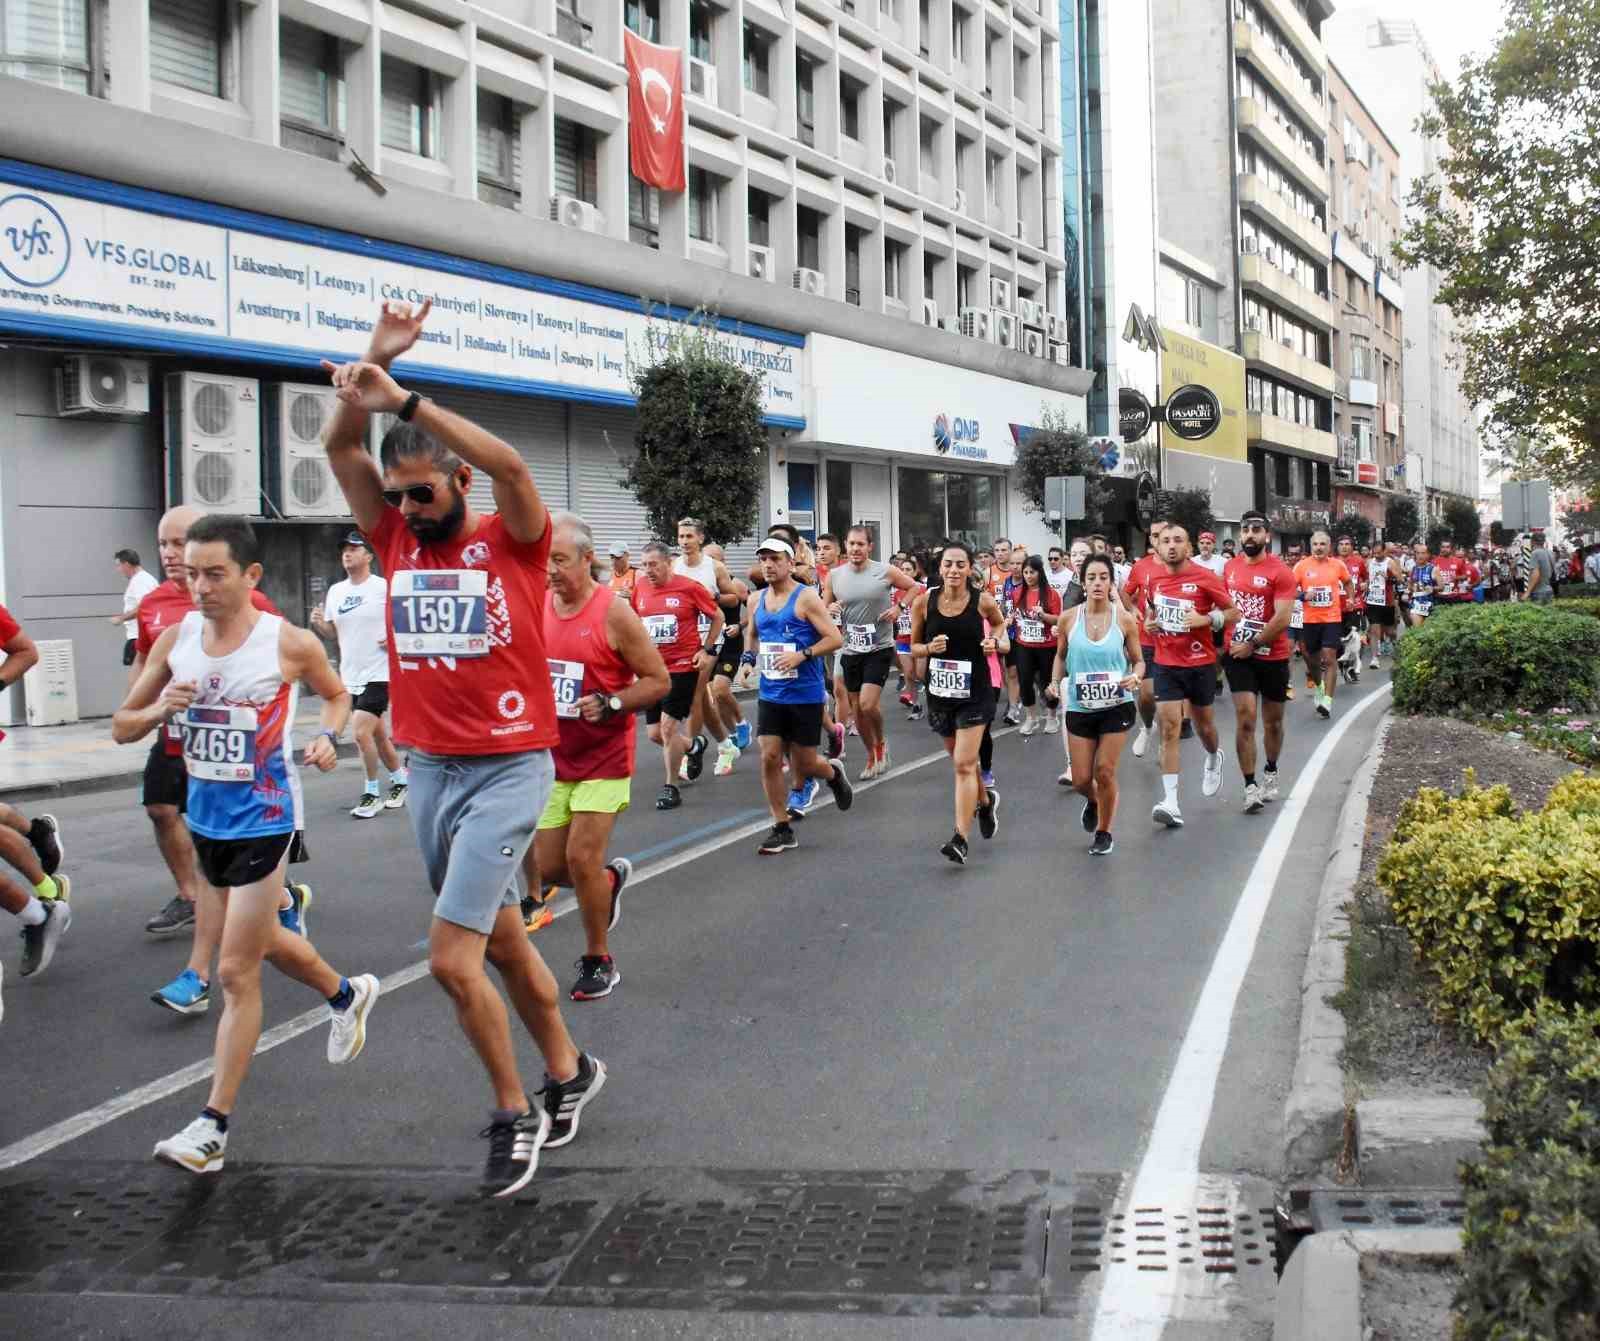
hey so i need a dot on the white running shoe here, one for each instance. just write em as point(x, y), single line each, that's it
point(199, 1147)
point(1052, 724)
point(1141, 741)
point(1269, 786)
point(1373, 664)
point(871, 769)
point(1252, 798)
point(347, 1034)
point(727, 756)
point(1029, 727)
point(1166, 813)
point(1211, 779)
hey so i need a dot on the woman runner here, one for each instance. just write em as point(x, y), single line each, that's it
point(959, 630)
point(910, 666)
point(1097, 644)
point(1038, 607)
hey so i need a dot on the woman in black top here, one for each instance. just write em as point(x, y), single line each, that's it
point(957, 628)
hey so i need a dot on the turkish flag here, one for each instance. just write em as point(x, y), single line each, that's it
point(655, 112)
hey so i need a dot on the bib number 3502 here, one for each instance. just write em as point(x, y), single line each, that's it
point(219, 743)
point(440, 612)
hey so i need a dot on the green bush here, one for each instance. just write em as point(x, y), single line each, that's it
point(1485, 658)
point(1583, 604)
point(1503, 907)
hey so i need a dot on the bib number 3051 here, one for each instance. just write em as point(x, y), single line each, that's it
point(219, 744)
point(440, 612)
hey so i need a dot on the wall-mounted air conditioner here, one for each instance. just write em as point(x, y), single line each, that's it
point(888, 171)
point(1388, 475)
point(1352, 153)
point(1061, 353)
point(570, 212)
point(762, 263)
point(951, 324)
point(930, 312)
point(1249, 245)
point(1032, 313)
point(961, 201)
point(809, 281)
point(702, 80)
point(213, 442)
point(300, 482)
point(1005, 330)
point(1033, 343)
point(1252, 323)
point(977, 323)
point(102, 384)
point(1000, 294)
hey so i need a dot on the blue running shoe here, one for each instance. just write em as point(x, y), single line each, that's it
point(796, 804)
point(185, 994)
point(805, 796)
point(295, 918)
point(988, 777)
point(741, 735)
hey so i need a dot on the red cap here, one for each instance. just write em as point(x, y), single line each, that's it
point(1208, 535)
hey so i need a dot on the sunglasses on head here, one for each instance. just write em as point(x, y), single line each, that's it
point(420, 494)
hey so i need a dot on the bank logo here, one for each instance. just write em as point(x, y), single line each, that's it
point(941, 434)
point(34, 243)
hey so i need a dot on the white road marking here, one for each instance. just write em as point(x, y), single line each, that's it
point(1136, 1306)
point(81, 1124)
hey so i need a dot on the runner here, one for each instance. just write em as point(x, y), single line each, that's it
point(859, 598)
point(1355, 611)
point(1061, 576)
point(623, 574)
point(1383, 576)
point(1037, 609)
point(669, 603)
point(473, 700)
point(834, 726)
point(1184, 602)
point(1135, 593)
point(1097, 669)
point(603, 668)
point(1264, 591)
point(958, 627)
point(793, 634)
point(911, 668)
point(712, 574)
point(229, 676)
point(736, 730)
point(1325, 587)
point(1449, 576)
point(354, 613)
point(1208, 558)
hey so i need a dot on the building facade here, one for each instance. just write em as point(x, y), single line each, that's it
point(1369, 299)
point(229, 191)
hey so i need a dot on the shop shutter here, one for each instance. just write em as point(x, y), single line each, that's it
point(186, 44)
point(566, 140)
point(534, 425)
point(603, 441)
point(303, 71)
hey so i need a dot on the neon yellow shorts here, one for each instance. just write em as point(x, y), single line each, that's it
point(598, 796)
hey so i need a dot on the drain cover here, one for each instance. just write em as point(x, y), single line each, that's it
point(1311, 1211)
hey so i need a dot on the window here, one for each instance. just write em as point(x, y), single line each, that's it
point(930, 275)
point(756, 50)
point(894, 270)
point(576, 161)
point(703, 199)
point(499, 141)
point(644, 213)
point(644, 17)
point(1360, 359)
point(925, 28)
point(963, 162)
point(310, 90)
point(928, 137)
point(852, 264)
point(409, 118)
point(805, 98)
point(891, 119)
point(702, 23)
point(988, 59)
point(1194, 307)
point(1282, 486)
point(991, 178)
point(958, 35)
point(808, 237)
point(187, 41)
point(964, 281)
point(47, 41)
point(758, 209)
point(850, 91)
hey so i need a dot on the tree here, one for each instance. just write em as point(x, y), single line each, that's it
point(1510, 221)
point(700, 438)
point(1190, 508)
point(1499, 536)
point(1438, 533)
point(1354, 525)
point(1464, 523)
point(1057, 448)
point(1402, 520)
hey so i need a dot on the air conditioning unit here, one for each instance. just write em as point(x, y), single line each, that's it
point(1061, 353)
point(802, 519)
point(570, 27)
point(762, 263)
point(50, 685)
point(930, 312)
point(951, 324)
point(1388, 475)
point(888, 171)
point(702, 80)
point(213, 442)
point(1005, 330)
point(570, 212)
point(1032, 313)
point(809, 281)
point(1033, 343)
point(961, 201)
point(1366, 247)
point(1352, 153)
point(300, 482)
point(1000, 294)
point(1252, 323)
point(102, 384)
point(977, 323)
point(1249, 245)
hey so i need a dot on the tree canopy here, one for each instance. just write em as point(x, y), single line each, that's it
point(1057, 448)
point(1190, 508)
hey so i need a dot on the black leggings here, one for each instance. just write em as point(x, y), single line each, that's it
point(986, 749)
point(1034, 665)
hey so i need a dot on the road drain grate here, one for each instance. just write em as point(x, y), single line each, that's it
point(1311, 1211)
point(1212, 1239)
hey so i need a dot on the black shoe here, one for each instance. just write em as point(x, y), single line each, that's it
point(1186, 732)
point(844, 794)
point(514, 1152)
point(917, 713)
point(39, 942)
point(1090, 819)
point(668, 798)
point(1102, 845)
point(621, 868)
point(44, 834)
point(564, 1101)
point(955, 849)
point(597, 975)
point(177, 916)
point(778, 840)
point(989, 815)
point(695, 760)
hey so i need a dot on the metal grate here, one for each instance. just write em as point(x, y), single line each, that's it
point(1311, 1211)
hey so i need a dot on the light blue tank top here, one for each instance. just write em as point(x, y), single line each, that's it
point(783, 630)
point(1095, 669)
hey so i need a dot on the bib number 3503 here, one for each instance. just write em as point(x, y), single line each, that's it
point(219, 743)
point(440, 612)
point(949, 679)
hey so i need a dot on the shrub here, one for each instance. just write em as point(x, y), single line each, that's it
point(1579, 605)
point(1545, 1082)
point(1489, 657)
point(1559, 730)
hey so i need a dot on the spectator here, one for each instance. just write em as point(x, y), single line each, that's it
point(140, 585)
point(1591, 566)
point(1541, 572)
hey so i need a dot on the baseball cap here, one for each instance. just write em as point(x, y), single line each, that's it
point(355, 538)
point(775, 545)
point(618, 550)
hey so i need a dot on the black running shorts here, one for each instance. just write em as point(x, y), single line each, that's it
point(866, 668)
point(130, 650)
point(729, 653)
point(1192, 684)
point(1316, 637)
point(679, 699)
point(792, 723)
point(1105, 722)
point(166, 783)
point(1253, 675)
point(231, 863)
point(1382, 615)
point(947, 716)
point(374, 699)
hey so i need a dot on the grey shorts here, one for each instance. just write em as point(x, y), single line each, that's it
point(474, 816)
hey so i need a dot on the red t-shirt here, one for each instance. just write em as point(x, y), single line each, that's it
point(1449, 575)
point(1192, 589)
point(9, 628)
point(167, 604)
point(1027, 601)
point(1258, 589)
point(484, 591)
point(668, 617)
point(583, 662)
point(1357, 567)
point(1137, 583)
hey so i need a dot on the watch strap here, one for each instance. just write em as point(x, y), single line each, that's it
point(410, 407)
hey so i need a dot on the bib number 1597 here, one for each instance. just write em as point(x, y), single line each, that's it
point(440, 612)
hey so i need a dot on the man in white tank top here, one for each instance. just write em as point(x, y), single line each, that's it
point(698, 566)
point(228, 674)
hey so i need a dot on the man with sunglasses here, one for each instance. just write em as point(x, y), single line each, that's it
point(1263, 590)
point(471, 694)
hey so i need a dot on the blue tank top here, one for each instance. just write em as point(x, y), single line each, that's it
point(784, 631)
point(1095, 669)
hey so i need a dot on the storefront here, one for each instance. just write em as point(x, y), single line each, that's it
point(1219, 464)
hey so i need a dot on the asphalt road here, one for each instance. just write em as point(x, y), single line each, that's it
point(858, 1004)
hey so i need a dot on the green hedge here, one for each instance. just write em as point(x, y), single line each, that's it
point(1582, 604)
point(1483, 658)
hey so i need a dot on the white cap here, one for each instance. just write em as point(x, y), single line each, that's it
point(774, 545)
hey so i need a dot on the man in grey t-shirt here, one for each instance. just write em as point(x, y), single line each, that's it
point(1541, 572)
point(857, 594)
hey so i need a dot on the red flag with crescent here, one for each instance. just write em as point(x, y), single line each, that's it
point(655, 112)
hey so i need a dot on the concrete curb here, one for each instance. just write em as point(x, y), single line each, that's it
point(1314, 1114)
point(1319, 1297)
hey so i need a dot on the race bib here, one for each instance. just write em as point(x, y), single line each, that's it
point(902, 623)
point(1246, 629)
point(702, 623)
point(1097, 689)
point(440, 612)
point(949, 679)
point(1297, 616)
point(1422, 605)
point(566, 682)
point(1172, 614)
point(770, 670)
point(1378, 587)
point(663, 629)
point(1319, 598)
point(860, 637)
point(1030, 630)
point(219, 744)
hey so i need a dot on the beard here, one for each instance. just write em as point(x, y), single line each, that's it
point(437, 530)
point(1252, 547)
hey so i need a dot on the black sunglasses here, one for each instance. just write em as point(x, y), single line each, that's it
point(420, 494)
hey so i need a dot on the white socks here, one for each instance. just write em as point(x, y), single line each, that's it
point(1169, 784)
point(33, 914)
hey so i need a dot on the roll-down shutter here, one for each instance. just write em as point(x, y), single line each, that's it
point(535, 426)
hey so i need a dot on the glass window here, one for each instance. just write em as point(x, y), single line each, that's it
point(891, 117)
point(928, 135)
point(850, 91)
point(409, 118)
point(1194, 311)
point(702, 205)
point(921, 507)
point(308, 76)
point(644, 17)
point(971, 508)
point(702, 23)
point(808, 237)
point(756, 46)
point(805, 100)
point(46, 41)
point(499, 142)
point(837, 489)
point(852, 264)
point(576, 164)
point(758, 205)
point(644, 213)
point(894, 271)
point(186, 42)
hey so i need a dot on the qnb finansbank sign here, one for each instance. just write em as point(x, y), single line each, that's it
point(112, 265)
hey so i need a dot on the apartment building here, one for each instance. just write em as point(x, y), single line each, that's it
point(202, 198)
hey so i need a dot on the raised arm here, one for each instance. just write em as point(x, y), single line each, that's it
point(152, 698)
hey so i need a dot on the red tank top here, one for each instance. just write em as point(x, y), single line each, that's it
point(583, 662)
point(477, 604)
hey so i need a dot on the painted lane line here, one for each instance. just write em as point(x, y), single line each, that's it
point(81, 1124)
point(1137, 1306)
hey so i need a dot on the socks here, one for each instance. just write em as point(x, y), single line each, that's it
point(371, 787)
point(341, 999)
point(1272, 765)
point(1169, 787)
point(33, 913)
point(47, 888)
point(401, 777)
point(221, 1119)
point(1249, 779)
